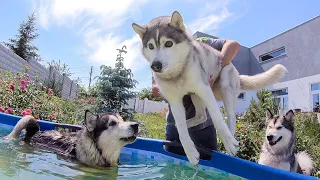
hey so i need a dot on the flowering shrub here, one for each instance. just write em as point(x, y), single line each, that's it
point(21, 95)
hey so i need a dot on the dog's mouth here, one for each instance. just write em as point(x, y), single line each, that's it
point(272, 143)
point(129, 139)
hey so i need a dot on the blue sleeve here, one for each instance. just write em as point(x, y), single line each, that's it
point(217, 43)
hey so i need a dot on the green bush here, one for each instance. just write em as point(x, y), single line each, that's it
point(256, 111)
point(308, 137)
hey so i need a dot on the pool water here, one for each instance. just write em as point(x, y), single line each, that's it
point(20, 161)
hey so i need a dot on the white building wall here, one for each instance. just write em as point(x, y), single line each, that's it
point(299, 94)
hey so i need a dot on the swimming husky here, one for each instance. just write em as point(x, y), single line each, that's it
point(183, 66)
point(98, 144)
point(278, 149)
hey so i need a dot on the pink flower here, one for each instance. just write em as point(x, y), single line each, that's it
point(23, 88)
point(12, 87)
point(28, 111)
point(1, 109)
point(52, 117)
point(28, 76)
point(28, 82)
point(8, 111)
point(20, 77)
point(23, 82)
point(50, 91)
point(34, 103)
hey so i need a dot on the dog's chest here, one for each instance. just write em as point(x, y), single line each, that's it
point(274, 161)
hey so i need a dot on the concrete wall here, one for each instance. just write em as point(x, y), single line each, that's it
point(9, 61)
point(302, 51)
point(301, 58)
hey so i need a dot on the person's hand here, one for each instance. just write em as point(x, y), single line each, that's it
point(155, 91)
point(211, 80)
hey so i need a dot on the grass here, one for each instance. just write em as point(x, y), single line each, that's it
point(153, 125)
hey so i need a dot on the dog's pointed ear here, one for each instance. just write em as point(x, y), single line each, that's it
point(118, 116)
point(289, 115)
point(90, 120)
point(138, 29)
point(269, 114)
point(177, 21)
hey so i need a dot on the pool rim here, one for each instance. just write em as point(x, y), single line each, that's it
point(219, 160)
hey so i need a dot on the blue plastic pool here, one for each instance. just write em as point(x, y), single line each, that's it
point(144, 159)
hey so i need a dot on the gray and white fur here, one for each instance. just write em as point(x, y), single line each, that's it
point(278, 149)
point(183, 66)
point(98, 144)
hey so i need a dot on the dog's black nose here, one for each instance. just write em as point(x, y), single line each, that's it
point(270, 138)
point(135, 127)
point(156, 66)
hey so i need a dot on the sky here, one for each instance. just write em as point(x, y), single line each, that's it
point(85, 33)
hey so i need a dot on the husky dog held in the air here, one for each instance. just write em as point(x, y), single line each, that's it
point(278, 149)
point(183, 66)
point(98, 144)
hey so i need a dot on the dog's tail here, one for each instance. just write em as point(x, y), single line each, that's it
point(262, 80)
point(28, 123)
point(305, 162)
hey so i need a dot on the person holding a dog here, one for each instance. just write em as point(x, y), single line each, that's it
point(203, 135)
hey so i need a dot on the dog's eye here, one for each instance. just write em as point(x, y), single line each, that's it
point(279, 127)
point(150, 46)
point(168, 44)
point(112, 123)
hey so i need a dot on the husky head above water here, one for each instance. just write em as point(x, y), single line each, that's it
point(280, 129)
point(165, 44)
point(110, 129)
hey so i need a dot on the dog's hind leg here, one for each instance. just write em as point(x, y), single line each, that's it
point(230, 143)
point(200, 115)
point(229, 87)
point(179, 115)
point(229, 101)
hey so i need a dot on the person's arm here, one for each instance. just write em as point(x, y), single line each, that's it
point(229, 50)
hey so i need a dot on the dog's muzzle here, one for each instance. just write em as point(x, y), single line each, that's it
point(135, 127)
point(271, 142)
point(156, 66)
point(130, 139)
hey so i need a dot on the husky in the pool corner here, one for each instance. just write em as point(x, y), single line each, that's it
point(98, 144)
point(278, 149)
point(183, 66)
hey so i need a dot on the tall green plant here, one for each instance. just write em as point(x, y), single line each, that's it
point(115, 85)
point(256, 111)
point(23, 45)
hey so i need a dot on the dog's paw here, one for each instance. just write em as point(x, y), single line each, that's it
point(193, 155)
point(230, 144)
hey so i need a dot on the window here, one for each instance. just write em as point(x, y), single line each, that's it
point(241, 96)
point(315, 91)
point(281, 97)
point(272, 54)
